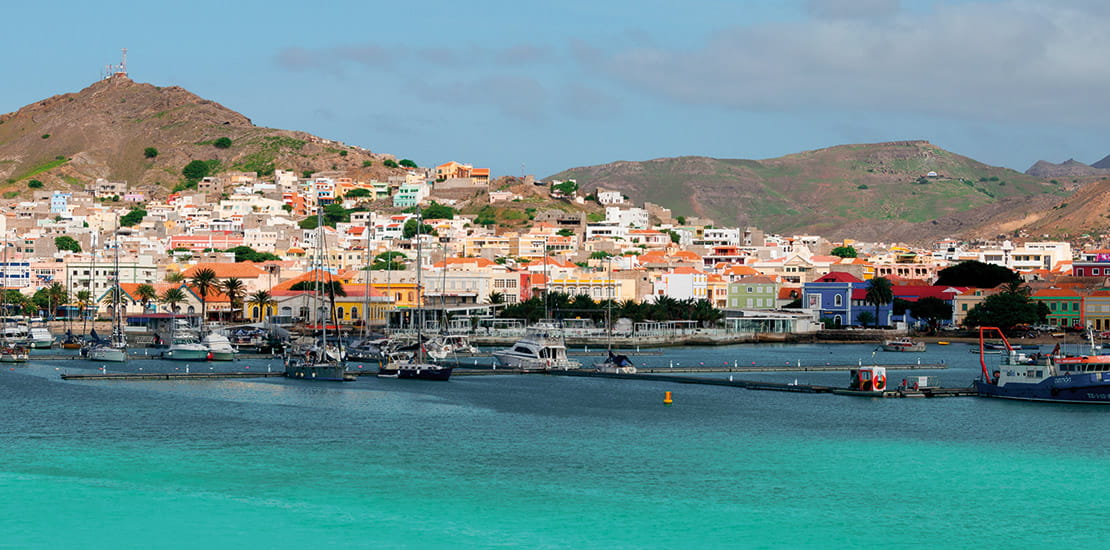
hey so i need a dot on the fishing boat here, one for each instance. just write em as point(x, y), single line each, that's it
point(313, 357)
point(415, 367)
point(903, 344)
point(1044, 377)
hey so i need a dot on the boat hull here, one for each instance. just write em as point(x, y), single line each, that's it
point(1074, 388)
point(185, 354)
point(323, 373)
point(416, 372)
point(221, 356)
point(111, 355)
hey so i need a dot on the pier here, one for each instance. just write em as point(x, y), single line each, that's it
point(775, 386)
point(169, 375)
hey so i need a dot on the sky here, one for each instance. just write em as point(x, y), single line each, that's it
point(539, 87)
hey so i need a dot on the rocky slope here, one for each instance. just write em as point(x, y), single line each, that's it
point(104, 130)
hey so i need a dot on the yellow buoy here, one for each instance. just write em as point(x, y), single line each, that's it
point(667, 398)
point(942, 343)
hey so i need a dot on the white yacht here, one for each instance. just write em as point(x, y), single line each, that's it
point(539, 349)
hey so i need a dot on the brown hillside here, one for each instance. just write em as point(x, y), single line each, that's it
point(103, 130)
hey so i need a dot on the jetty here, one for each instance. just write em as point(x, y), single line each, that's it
point(775, 386)
point(169, 375)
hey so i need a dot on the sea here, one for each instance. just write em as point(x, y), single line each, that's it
point(534, 461)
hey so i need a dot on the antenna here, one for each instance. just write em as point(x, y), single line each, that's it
point(123, 63)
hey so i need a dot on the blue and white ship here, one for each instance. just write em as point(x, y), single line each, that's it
point(1045, 377)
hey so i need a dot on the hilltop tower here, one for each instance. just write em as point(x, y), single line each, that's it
point(116, 70)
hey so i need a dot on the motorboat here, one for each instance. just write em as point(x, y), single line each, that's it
point(539, 349)
point(616, 364)
point(40, 338)
point(219, 347)
point(903, 344)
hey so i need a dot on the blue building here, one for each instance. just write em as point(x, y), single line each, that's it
point(831, 297)
point(59, 202)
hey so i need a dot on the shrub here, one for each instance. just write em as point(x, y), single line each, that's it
point(222, 143)
point(195, 171)
point(862, 186)
point(389, 163)
point(150, 152)
point(367, 164)
point(342, 153)
point(34, 184)
point(408, 163)
point(45, 136)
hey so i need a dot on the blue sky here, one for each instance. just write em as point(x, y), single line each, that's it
point(554, 85)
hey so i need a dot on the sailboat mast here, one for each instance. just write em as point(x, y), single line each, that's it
point(366, 290)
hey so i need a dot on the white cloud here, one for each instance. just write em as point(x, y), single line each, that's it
point(1015, 60)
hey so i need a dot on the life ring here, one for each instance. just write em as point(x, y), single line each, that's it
point(880, 383)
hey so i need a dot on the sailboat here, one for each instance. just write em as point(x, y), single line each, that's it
point(370, 345)
point(113, 350)
point(613, 363)
point(11, 350)
point(415, 366)
point(313, 358)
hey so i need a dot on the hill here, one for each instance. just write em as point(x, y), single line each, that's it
point(1070, 168)
point(105, 130)
point(909, 190)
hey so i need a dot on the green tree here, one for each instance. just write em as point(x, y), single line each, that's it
point(367, 163)
point(150, 152)
point(681, 220)
point(567, 188)
point(331, 287)
point(248, 254)
point(846, 251)
point(84, 300)
point(34, 184)
point(222, 143)
point(146, 294)
point(261, 300)
point(235, 290)
point(358, 192)
point(436, 211)
point(976, 274)
point(333, 214)
point(389, 261)
point(495, 298)
point(600, 255)
point(410, 229)
point(390, 163)
point(1005, 310)
point(879, 294)
point(866, 318)
point(172, 297)
point(174, 277)
point(134, 217)
point(65, 242)
point(205, 281)
point(195, 170)
point(932, 310)
point(56, 295)
point(565, 233)
point(408, 163)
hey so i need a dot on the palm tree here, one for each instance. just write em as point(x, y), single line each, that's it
point(172, 297)
point(261, 300)
point(235, 291)
point(174, 277)
point(495, 298)
point(146, 294)
point(205, 281)
point(879, 293)
point(1017, 287)
point(57, 295)
point(84, 299)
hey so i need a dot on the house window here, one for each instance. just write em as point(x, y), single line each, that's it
point(1094, 271)
point(963, 307)
point(1079, 272)
point(838, 300)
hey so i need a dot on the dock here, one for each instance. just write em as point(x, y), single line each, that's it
point(760, 385)
point(169, 375)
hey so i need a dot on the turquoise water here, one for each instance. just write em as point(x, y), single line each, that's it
point(537, 461)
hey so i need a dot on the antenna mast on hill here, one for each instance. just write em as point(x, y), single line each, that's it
point(123, 64)
point(117, 70)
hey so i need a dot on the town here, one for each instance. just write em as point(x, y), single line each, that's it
point(239, 248)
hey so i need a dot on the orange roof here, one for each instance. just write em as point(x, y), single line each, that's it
point(479, 262)
point(741, 270)
point(789, 293)
point(479, 172)
point(342, 277)
point(684, 270)
point(224, 270)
